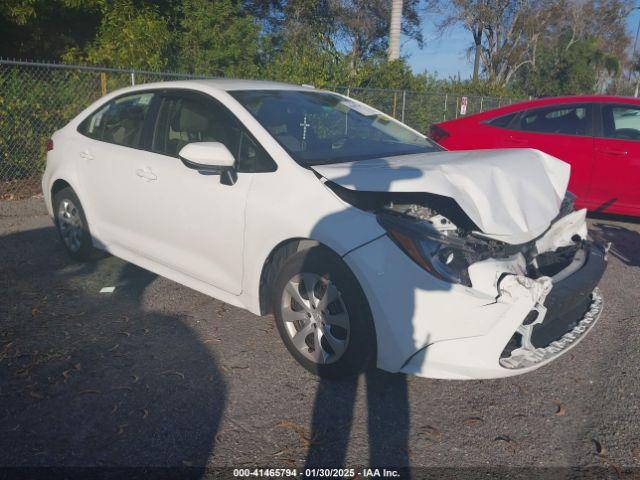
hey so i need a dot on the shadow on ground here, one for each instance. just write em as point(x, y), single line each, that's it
point(90, 379)
point(625, 243)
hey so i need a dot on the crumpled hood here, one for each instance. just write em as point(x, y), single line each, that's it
point(512, 195)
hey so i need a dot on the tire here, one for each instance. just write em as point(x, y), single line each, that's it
point(72, 225)
point(347, 344)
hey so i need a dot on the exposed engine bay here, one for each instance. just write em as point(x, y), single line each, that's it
point(451, 242)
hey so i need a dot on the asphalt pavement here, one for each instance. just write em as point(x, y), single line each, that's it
point(156, 374)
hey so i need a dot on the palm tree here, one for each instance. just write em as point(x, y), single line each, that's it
point(394, 29)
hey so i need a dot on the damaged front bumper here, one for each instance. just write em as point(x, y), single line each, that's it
point(543, 319)
point(567, 313)
point(530, 357)
point(508, 322)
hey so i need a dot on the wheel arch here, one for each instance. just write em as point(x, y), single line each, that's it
point(274, 261)
point(58, 185)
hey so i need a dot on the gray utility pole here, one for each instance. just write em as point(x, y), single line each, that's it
point(394, 29)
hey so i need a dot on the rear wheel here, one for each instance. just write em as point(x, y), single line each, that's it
point(72, 225)
point(322, 314)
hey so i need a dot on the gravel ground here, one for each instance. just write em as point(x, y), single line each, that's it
point(156, 374)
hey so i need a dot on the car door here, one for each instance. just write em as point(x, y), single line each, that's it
point(194, 223)
point(563, 131)
point(617, 165)
point(107, 156)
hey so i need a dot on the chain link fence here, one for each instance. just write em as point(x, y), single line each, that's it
point(38, 98)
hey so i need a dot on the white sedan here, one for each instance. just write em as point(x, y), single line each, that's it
point(369, 243)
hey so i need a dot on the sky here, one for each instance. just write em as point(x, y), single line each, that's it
point(446, 55)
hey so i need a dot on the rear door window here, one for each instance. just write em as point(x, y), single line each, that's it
point(503, 121)
point(121, 121)
point(621, 122)
point(561, 119)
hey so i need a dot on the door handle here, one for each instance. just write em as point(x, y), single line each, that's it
point(617, 153)
point(147, 174)
point(86, 155)
point(517, 140)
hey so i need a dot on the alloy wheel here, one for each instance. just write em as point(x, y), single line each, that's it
point(315, 317)
point(70, 225)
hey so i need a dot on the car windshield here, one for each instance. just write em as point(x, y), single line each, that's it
point(320, 127)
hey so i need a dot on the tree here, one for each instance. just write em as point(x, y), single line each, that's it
point(45, 29)
point(473, 15)
point(572, 39)
point(358, 29)
point(562, 71)
point(131, 36)
point(217, 38)
point(583, 47)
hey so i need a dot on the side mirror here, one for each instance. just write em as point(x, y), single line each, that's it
point(210, 158)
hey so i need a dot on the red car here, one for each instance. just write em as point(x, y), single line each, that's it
point(598, 135)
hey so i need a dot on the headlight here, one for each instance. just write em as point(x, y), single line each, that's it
point(446, 258)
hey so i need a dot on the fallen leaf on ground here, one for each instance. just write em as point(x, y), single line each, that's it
point(432, 432)
point(600, 450)
point(120, 429)
point(616, 468)
point(145, 413)
point(174, 372)
point(66, 374)
point(300, 430)
point(89, 391)
point(212, 340)
point(561, 408)
point(218, 437)
point(473, 421)
point(135, 378)
point(635, 451)
point(115, 408)
point(77, 366)
point(187, 463)
point(36, 395)
point(508, 442)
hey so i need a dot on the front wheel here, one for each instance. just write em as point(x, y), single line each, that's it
point(72, 225)
point(323, 315)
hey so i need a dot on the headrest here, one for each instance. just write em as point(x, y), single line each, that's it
point(191, 118)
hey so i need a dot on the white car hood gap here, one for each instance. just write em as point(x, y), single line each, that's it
point(512, 195)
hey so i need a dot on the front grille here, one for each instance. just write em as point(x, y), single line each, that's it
point(569, 299)
point(551, 263)
point(557, 322)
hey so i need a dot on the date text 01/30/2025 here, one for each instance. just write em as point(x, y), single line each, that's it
point(316, 472)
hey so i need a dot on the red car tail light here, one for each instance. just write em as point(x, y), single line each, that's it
point(49, 145)
point(437, 133)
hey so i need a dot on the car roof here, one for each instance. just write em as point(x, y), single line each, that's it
point(578, 99)
point(238, 84)
point(224, 84)
point(542, 102)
